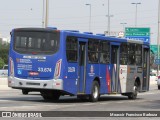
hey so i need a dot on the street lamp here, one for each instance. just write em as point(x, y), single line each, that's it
point(136, 12)
point(89, 17)
point(123, 24)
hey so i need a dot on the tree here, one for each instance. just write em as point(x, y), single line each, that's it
point(4, 55)
point(1, 63)
point(4, 49)
point(152, 57)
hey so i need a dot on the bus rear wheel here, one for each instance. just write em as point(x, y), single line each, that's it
point(25, 92)
point(82, 97)
point(133, 95)
point(49, 96)
point(94, 96)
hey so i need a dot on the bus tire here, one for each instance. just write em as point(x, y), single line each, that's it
point(45, 97)
point(94, 96)
point(25, 92)
point(158, 87)
point(51, 96)
point(82, 97)
point(56, 97)
point(133, 95)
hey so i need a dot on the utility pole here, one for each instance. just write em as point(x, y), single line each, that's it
point(108, 20)
point(45, 13)
point(158, 36)
point(109, 17)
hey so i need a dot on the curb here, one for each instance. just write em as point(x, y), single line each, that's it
point(5, 87)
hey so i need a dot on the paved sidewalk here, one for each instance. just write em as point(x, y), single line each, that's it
point(4, 84)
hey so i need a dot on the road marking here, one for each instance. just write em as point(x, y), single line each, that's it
point(147, 93)
point(104, 103)
point(35, 107)
point(120, 102)
point(89, 104)
point(6, 100)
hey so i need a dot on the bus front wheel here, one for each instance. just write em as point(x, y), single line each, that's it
point(94, 96)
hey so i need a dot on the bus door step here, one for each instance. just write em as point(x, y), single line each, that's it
point(81, 93)
point(113, 93)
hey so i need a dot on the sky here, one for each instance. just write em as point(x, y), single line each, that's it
point(74, 15)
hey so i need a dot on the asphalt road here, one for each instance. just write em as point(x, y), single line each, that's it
point(13, 100)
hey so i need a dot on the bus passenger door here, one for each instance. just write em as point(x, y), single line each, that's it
point(146, 64)
point(115, 51)
point(82, 66)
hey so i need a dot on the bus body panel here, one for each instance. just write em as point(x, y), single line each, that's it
point(105, 76)
point(123, 77)
point(71, 78)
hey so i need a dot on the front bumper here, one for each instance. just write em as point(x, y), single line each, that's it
point(56, 84)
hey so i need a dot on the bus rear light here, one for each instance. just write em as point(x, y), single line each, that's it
point(34, 53)
point(121, 71)
point(57, 69)
point(11, 67)
point(158, 77)
point(9, 82)
point(58, 84)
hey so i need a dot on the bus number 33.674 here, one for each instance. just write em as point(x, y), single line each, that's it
point(41, 69)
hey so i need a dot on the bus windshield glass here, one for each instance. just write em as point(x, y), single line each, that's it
point(36, 42)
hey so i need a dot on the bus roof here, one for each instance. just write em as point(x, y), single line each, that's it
point(87, 35)
point(90, 35)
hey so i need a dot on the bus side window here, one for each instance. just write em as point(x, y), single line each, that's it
point(71, 49)
point(93, 51)
point(93, 57)
point(138, 55)
point(104, 58)
point(131, 58)
point(104, 52)
point(123, 54)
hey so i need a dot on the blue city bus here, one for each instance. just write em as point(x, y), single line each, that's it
point(67, 62)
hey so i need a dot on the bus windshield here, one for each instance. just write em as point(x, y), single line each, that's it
point(36, 42)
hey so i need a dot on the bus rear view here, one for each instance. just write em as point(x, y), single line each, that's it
point(34, 61)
